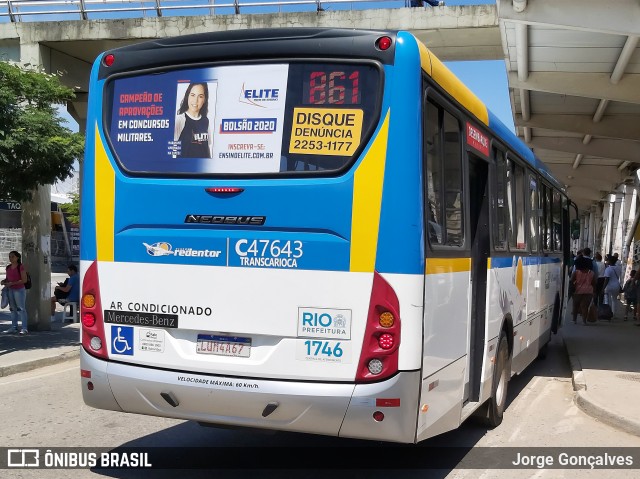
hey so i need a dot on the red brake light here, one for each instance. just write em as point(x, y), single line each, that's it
point(93, 338)
point(88, 320)
point(385, 341)
point(108, 60)
point(384, 43)
point(379, 355)
point(224, 189)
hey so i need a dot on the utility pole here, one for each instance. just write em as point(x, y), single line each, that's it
point(36, 234)
point(36, 254)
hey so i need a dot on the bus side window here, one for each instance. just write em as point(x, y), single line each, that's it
point(516, 187)
point(534, 214)
point(443, 173)
point(433, 208)
point(500, 229)
point(546, 219)
point(557, 221)
point(453, 180)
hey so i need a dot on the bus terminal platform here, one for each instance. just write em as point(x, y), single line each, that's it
point(604, 358)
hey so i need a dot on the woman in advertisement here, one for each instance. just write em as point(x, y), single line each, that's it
point(192, 123)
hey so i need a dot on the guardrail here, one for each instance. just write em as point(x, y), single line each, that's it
point(55, 10)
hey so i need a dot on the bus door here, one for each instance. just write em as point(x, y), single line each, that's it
point(445, 373)
point(480, 247)
point(570, 232)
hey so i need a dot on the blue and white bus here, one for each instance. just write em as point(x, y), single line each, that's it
point(310, 230)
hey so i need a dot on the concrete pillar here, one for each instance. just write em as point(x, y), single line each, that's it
point(36, 234)
point(608, 213)
point(583, 231)
point(619, 221)
point(598, 228)
point(78, 110)
point(630, 207)
point(593, 219)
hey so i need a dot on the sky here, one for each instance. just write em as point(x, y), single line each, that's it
point(487, 79)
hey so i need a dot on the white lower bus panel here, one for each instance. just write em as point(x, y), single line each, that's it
point(335, 409)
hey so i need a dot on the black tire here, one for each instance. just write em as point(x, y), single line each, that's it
point(542, 353)
point(544, 350)
point(555, 318)
point(501, 375)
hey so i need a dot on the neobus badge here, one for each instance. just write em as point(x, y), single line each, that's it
point(324, 323)
point(477, 140)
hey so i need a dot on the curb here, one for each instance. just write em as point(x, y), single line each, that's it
point(595, 410)
point(39, 363)
point(577, 377)
point(590, 407)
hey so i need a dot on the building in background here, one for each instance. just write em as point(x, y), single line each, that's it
point(65, 236)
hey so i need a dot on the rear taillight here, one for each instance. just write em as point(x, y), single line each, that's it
point(108, 60)
point(93, 339)
point(379, 355)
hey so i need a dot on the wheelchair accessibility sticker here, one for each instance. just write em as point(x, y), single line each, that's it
point(122, 340)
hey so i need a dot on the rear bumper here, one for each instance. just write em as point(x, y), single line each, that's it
point(334, 409)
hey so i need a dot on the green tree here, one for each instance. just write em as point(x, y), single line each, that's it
point(35, 148)
point(72, 210)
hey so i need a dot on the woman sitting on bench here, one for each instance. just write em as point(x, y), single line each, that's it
point(66, 292)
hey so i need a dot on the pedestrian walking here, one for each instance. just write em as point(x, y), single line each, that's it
point(600, 266)
point(584, 282)
point(612, 283)
point(15, 280)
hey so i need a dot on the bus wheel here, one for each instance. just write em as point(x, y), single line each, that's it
point(542, 353)
point(501, 376)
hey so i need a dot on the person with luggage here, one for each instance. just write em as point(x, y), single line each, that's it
point(630, 291)
point(584, 282)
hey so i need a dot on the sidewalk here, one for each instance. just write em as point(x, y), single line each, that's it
point(605, 360)
point(38, 348)
point(603, 355)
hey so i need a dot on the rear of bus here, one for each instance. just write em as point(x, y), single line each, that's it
point(263, 268)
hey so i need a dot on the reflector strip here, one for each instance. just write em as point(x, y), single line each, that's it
point(383, 402)
point(85, 373)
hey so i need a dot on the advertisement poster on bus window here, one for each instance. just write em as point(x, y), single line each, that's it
point(209, 120)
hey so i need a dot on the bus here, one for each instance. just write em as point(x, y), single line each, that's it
point(311, 230)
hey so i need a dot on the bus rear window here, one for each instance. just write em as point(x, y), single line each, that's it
point(243, 119)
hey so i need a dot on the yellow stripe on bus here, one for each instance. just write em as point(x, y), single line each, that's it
point(367, 200)
point(105, 202)
point(447, 265)
point(447, 80)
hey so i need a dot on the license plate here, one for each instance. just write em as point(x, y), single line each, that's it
point(224, 345)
